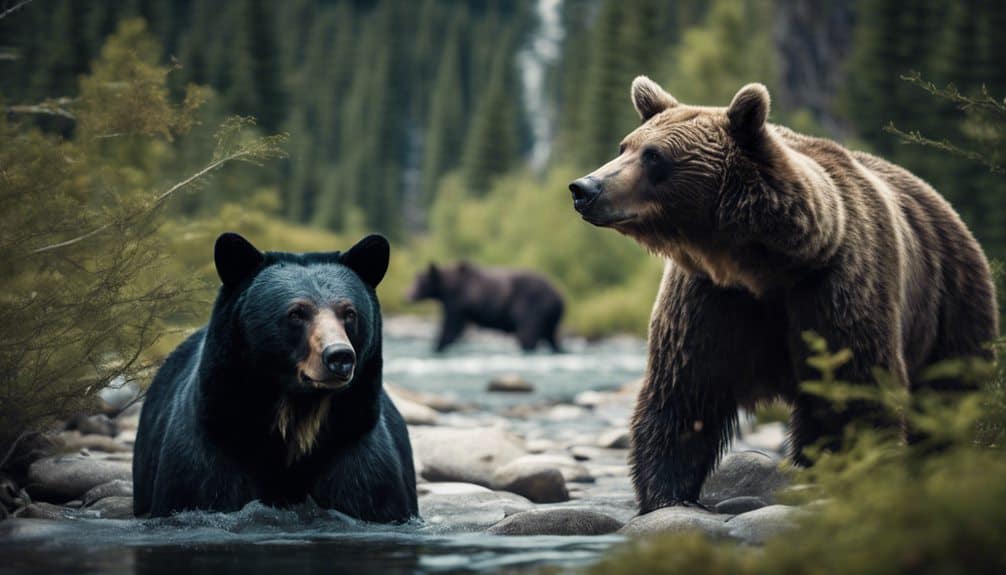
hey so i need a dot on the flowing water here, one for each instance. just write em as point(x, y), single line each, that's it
point(259, 539)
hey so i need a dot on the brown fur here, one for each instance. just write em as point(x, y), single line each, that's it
point(767, 234)
point(299, 425)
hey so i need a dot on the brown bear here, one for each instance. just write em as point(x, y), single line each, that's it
point(767, 234)
point(512, 301)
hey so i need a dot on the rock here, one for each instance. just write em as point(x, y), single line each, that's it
point(510, 383)
point(130, 422)
point(572, 471)
point(591, 398)
point(117, 488)
point(566, 412)
point(117, 395)
point(614, 439)
point(467, 455)
point(738, 505)
point(557, 521)
point(676, 520)
point(66, 477)
point(412, 412)
point(93, 425)
point(746, 473)
point(539, 481)
point(42, 510)
point(126, 437)
point(469, 511)
point(74, 441)
point(450, 488)
point(539, 445)
point(767, 436)
point(433, 401)
point(761, 524)
point(116, 507)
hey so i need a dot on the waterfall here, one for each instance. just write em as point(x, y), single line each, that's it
point(543, 50)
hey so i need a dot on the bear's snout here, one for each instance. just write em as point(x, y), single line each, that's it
point(585, 191)
point(339, 360)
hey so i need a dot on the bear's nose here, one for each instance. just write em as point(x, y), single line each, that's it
point(585, 191)
point(339, 359)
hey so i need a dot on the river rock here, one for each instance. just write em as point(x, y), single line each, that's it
point(438, 402)
point(738, 505)
point(74, 441)
point(466, 455)
point(676, 520)
point(767, 436)
point(510, 383)
point(469, 511)
point(450, 488)
point(116, 507)
point(614, 439)
point(117, 488)
point(93, 425)
point(761, 524)
point(65, 477)
point(539, 481)
point(412, 412)
point(557, 521)
point(572, 470)
point(117, 395)
point(747, 473)
point(43, 510)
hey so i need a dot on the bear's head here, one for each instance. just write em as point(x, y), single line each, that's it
point(427, 285)
point(304, 323)
point(679, 173)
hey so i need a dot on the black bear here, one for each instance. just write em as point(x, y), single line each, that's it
point(511, 301)
point(766, 234)
point(279, 397)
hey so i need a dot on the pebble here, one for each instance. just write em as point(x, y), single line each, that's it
point(557, 521)
point(510, 383)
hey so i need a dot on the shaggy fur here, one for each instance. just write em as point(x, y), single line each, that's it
point(247, 408)
point(768, 233)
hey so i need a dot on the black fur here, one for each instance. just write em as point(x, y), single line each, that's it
point(207, 437)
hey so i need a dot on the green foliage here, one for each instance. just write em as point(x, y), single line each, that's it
point(85, 286)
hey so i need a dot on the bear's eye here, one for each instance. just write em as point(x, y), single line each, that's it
point(298, 313)
point(651, 156)
point(621, 149)
point(350, 316)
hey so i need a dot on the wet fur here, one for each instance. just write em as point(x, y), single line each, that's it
point(767, 234)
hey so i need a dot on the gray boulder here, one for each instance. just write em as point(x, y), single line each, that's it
point(472, 511)
point(557, 521)
point(748, 473)
point(65, 477)
point(676, 520)
point(468, 455)
point(761, 524)
point(738, 505)
point(117, 488)
point(116, 507)
point(539, 481)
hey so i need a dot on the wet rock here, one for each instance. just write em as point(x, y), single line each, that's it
point(117, 395)
point(676, 520)
point(66, 477)
point(738, 505)
point(93, 425)
point(539, 445)
point(74, 441)
point(614, 439)
point(761, 524)
point(469, 511)
point(572, 470)
point(412, 412)
point(557, 521)
point(116, 507)
point(433, 401)
point(42, 510)
point(450, 488)
point(747, 473)
point(539, 481)
point(117, 488)
point(128, 422)
point(566, 412)
point(510, 383)
point(466, 455)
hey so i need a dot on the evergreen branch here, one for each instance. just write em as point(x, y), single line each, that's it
point(916, 137)
point(984, 102)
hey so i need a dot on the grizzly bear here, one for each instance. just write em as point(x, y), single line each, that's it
point(279, 398)
point(507, 300)
point(768, 234)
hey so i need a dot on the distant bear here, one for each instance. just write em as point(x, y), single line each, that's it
point(511, 301)
point(767, 234)
point(280, 396)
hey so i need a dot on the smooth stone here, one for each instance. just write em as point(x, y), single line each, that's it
point(469, 511)
point(93, 425)
point(539, 481)
point(590, 398)
point(438, 402)
point(676, 520)
point(614, 439)
point(75, 441)
point(767, 436)
point(129, 422)
point(116, 507)
point(412, 412)
point(510, 383)
point(557, 521)
point(117, 488)
point(450, 488)
point(117, 395)
point(761, 524)
point(43, 510)
point(466, 455)
point(738, 505)
point(747, 473)
point(66, 477)
point(572, 470)
point(566, 412)
point(126, 437)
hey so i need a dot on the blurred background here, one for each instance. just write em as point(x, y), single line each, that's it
point(129, 144)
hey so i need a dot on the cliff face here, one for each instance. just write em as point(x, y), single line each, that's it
point(813, 39)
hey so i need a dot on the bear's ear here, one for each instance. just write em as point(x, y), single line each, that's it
point(369, 259)
point(748, 112)
point(649, 98)
point(236, 258)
